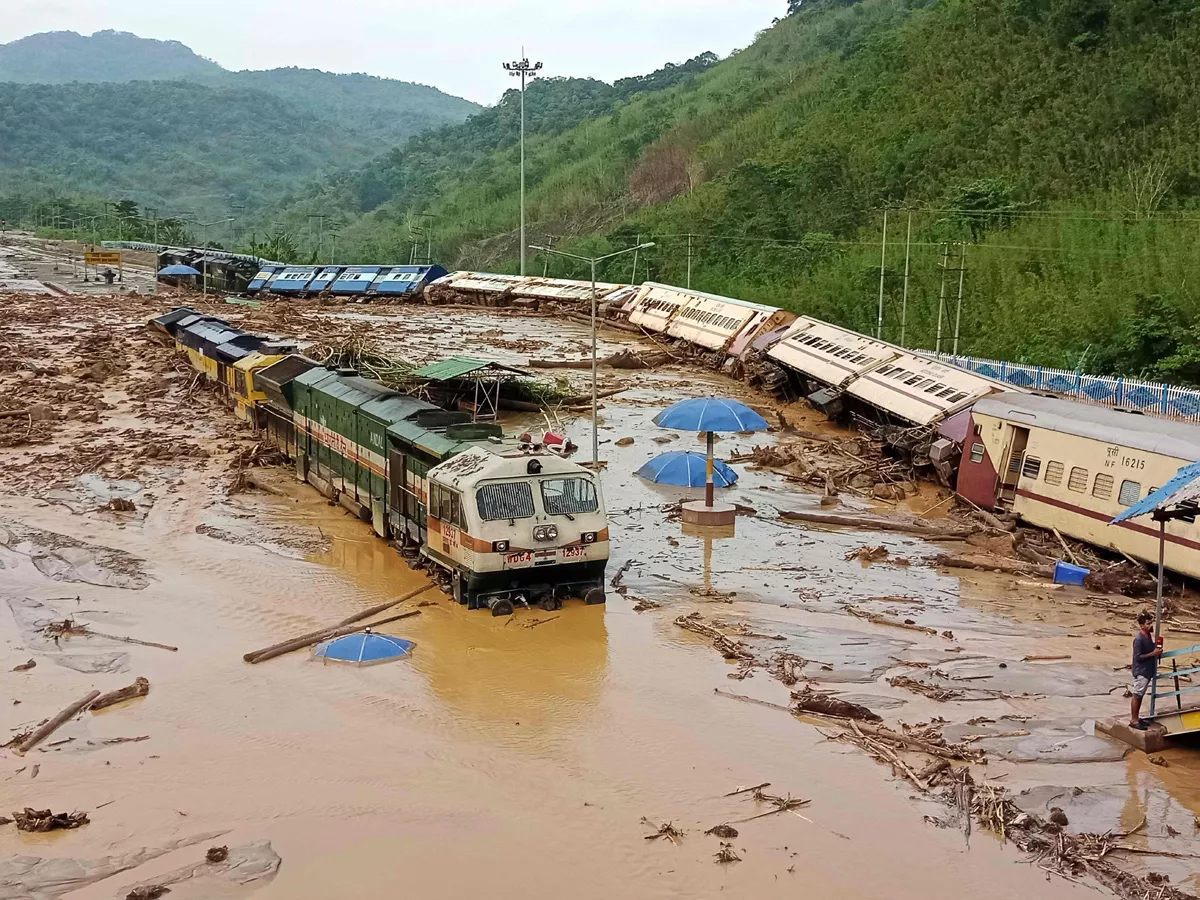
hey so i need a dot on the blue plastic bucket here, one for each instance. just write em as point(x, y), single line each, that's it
point(1065, 573)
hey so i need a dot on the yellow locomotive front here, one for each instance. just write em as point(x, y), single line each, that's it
point(517, 528)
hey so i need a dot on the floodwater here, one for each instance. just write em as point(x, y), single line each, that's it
point(519, 756)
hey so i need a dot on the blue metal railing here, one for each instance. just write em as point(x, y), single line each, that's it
point(1174, 675)
point(1150, 397)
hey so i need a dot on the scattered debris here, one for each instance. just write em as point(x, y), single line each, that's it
point(926, 689)
point(827, 705)
point(877, 619)
point(780, 804)
point(869, 554)
point(1158, 761)
point(25, 666)
point(139, 688)
point(723, 831)
point(148, 892)
point(39, 820)
point(217, 854)
point(726, 854)
point(667, 830)
point(40, 734)
point(121, 504)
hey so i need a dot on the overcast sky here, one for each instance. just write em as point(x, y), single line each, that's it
point(456, 45)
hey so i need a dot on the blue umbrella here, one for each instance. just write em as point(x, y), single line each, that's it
point(363, 648)
point(178, 270)
point(686, 469)
point(710, 414)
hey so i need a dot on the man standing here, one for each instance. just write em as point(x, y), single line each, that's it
point(1145, 666)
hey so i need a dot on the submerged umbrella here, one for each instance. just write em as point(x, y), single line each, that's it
point(364, 648)
point(178, 270)
point(709, 414)
point(686, 469)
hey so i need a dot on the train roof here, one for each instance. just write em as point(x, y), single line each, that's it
point(1179, 440)
point(762, 307)
point(482, 463)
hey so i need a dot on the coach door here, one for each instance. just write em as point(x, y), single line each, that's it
point(1010, 470)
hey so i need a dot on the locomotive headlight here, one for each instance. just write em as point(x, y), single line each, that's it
point(545, 533)
point(499, 546)
point(588, 537)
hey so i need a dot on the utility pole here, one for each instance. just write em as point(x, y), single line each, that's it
point(320, 217)
point(633, 274)
point(882, 274)
point(526, 71)
point(962, 274)
point(904, 301)
point(937, 348)
point(689, 263)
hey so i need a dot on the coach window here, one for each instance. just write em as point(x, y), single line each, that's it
point(977, 451)
point(1054, 473)
point(435, 498)
point(1032, 467)
point(1103, 488)
point(1131, 493)
point(1078, 481)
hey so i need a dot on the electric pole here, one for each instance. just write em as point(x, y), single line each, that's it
point(937, 347)
point(904, 301)
point(882, 274)
point(962, 274)
point(526, 71)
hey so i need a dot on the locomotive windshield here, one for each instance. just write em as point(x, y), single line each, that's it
point(568, 496)
point(505, 500)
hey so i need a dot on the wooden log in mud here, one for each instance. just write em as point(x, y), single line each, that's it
point(349, 620)
point(992, 564)
point(315, 638)
point(139, 688)
point(57, 722)
point(826, 705)
point(876, 523)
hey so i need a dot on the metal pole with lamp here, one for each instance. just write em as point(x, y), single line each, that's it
point(526, 71)
point(594, 262)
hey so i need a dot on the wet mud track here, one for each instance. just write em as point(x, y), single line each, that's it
point(519, 755)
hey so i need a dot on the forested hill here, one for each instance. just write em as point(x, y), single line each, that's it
point(121, 116)
point(1050, 141)
point(58, 57)
point(183, 148)
point(380, 108)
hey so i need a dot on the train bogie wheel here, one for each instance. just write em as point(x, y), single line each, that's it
point(595, 597)
point(502, 608)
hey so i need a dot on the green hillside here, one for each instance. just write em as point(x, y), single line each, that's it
point(59, 57)
point(179, 147)
point(1055, 140)
point(120, 116)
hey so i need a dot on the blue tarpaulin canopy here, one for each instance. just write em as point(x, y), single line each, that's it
point(363, 649)
point(1183, 487)
point(178, 270)
point(686, 469)
point(710, 414)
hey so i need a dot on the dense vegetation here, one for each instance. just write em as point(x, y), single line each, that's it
point(127, 117)
point(58, 57)
point(1053, 139)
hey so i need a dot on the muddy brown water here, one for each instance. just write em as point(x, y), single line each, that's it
point(510, 757)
